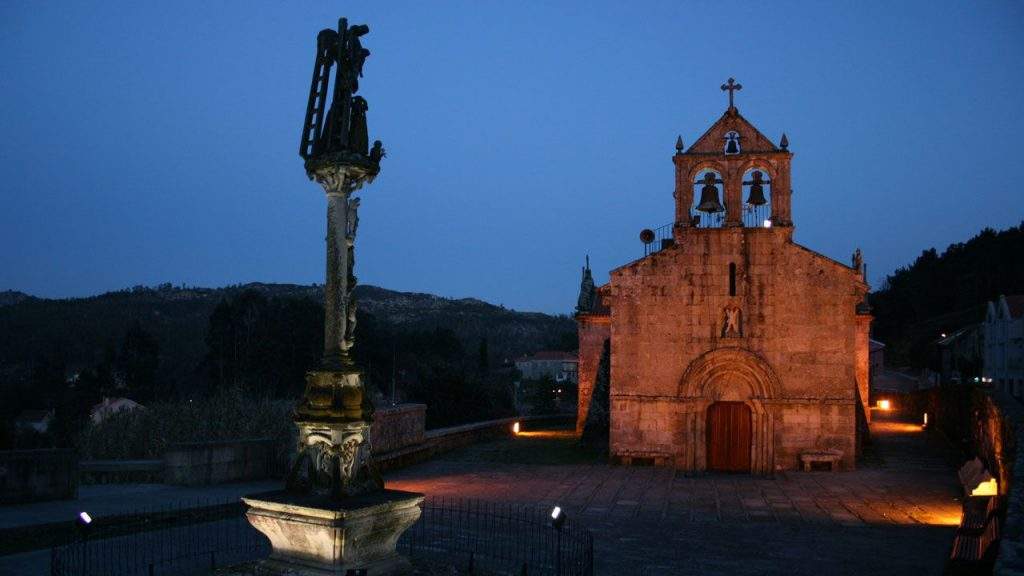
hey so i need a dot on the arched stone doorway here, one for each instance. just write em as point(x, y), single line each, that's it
point(743, 384)
point(729, 437)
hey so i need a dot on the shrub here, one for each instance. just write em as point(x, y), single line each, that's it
point(230, 414)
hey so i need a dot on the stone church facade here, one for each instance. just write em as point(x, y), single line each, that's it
point(732, 347)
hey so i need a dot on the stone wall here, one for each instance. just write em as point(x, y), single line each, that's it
point(32, 475)
point(795, 362)
point(202, 463)
point(1011, 549)
point(443, 440)
point(593, 330)
point(986, 424)
point(121, 471)
point(396, 427)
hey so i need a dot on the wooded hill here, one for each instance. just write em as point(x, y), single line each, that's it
point(166, 342)
point(941, 293)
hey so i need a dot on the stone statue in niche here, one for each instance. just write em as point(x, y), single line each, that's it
point(377, 152)
point(358, 139)
point(352, 222)
point(733, 324)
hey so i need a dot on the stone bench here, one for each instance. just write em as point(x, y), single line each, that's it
point(811, 456)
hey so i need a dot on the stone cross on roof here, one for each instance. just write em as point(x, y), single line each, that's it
point(731, 86)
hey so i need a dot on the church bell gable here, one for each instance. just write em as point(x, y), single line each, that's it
point(732, 176)
point(714, 141)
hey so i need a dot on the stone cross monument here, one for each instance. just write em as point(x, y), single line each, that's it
point(334, 514)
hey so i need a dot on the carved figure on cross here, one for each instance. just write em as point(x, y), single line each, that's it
point(730, 87)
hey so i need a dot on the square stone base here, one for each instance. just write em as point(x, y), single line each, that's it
point(313, 536)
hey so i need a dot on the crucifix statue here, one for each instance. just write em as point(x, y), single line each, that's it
point(334, 515)
point(335, 413)
point(730, 87)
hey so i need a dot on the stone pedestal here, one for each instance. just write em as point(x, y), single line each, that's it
point(320, 536)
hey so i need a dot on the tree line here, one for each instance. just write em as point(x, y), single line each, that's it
point(941, 293)
point(263, 344)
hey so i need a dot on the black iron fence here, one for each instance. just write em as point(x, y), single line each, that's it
point(474, 537)
point(187, 538)
point(498, 538)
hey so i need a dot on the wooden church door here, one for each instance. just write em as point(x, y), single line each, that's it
point(729, 432)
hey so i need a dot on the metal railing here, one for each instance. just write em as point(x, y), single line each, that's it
point(498, 538)
point(470, 535)
point(662, 238)
point(700, 219)
point(756, 216)
point(161, 540)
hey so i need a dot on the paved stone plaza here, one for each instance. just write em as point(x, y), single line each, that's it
point(895, 514)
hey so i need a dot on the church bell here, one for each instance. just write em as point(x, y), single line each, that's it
point(709, 196)
point(731, 147)
point(756, 197)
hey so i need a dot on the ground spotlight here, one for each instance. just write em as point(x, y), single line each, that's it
point(84, 522)
point(515, 428)
point(557, 517)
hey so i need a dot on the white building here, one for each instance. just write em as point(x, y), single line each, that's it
point(560, 366)
point(1004, 344)
point(111, 406)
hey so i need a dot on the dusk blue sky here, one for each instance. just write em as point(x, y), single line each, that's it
point(149, 142)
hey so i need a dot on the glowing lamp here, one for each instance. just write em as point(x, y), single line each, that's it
point(557, 517)
point(884, 405)
point(83, 522)
point(988, 488)
point(767, 224)
point(925, 423)
point(515, 428)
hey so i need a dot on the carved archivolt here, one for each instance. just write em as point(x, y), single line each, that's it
point(729, 373)
point(722, 170)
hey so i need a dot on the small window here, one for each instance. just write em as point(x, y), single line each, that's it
point(732, 279)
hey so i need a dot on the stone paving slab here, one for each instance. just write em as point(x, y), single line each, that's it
point(895, 515)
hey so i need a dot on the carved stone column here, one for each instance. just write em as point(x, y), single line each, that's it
point(334, 514)
point(334, 414)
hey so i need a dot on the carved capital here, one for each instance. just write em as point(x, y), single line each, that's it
point(335, 180)
point(341, 174)
point(334, 460)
